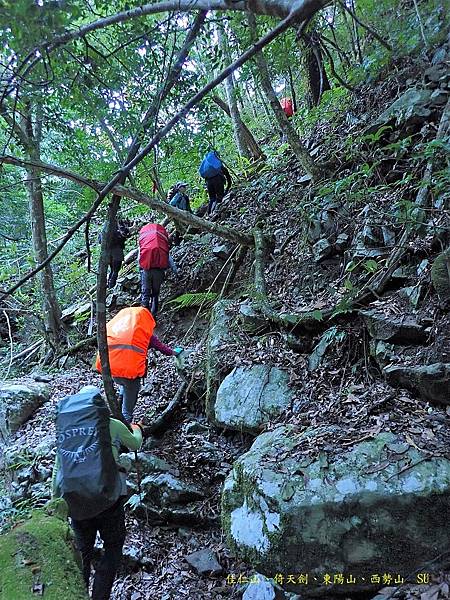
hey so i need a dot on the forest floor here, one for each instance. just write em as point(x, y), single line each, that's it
point(346, 392)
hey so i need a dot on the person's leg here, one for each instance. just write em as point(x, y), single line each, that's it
point(145, 288)
point(130, 391)
point(115, 265)
point(111, 525)
point(211, 194)
point(157, 276)
point(85, 532)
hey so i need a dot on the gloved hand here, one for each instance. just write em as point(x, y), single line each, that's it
point(177, 351)
point(139, 425)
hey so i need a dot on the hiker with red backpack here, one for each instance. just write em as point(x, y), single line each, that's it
point(154, 260)
point(215, 173)
point(88, 475)
point(130, 335)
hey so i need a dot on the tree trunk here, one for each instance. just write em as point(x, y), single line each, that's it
point(316, 75)
point(238, 125)
point(251, 143)
point(287, 129)
point(50, 307)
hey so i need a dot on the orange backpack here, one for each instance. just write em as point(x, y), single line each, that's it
point(129, 334)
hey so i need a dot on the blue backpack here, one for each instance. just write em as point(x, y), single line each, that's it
point(211, 166)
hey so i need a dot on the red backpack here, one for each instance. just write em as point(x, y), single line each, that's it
point(153, 247)
point(288, 106)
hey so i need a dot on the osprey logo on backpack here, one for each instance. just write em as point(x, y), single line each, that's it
point(211, 166)
point(88, 477)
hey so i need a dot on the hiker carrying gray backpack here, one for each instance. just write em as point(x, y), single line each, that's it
point(87, 475)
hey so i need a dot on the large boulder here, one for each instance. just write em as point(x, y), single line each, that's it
point(413, 106)
point(381, 503)
point(440, 275)
point(250, 396)
point(37, 558)
point(396, 330)
point(17, 403)
point(430, 382)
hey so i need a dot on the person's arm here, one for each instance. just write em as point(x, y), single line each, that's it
point(226, 172)
point(157, 345)
point(173, 266)
point(132, 440)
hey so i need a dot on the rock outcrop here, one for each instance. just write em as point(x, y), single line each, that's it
point(381, 503)
point(17, 403)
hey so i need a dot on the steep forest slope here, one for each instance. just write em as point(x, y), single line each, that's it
point(305, 436)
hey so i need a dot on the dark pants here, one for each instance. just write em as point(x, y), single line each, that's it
point(151, 281)
point(216, 191)
point(111, 526)
point(115, 263)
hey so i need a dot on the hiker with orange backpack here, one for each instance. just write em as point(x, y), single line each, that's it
point(89, 477)
point(130, 335)
point(154, 260)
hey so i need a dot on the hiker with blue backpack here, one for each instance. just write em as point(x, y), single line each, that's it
point(181, 201)
point(88, 475)
point(216, 175)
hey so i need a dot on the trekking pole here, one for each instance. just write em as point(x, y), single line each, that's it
point(138, 474)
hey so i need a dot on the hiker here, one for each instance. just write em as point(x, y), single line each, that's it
point(288, 107)
point(154, 260)
point(116, 250)
point(130, 335)
point(181, 201)
point(215, 173)
point(90, 478)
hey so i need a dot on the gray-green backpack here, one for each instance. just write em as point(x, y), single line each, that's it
point(88, 476)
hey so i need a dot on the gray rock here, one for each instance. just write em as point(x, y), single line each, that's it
point(194, 427)
point(330, 337)
point(436, 72)
point(322, 250)
point(221, 251)
point(439, 56)
point(397, 330)
point(149, 463)
point(430, 382)
point(439, 96)
point(250, 396)
point(204, 561)
point(252, 320)
point(383, 353)
point(164, 489)
point(413, 105)
point(342, 242)
point(263, 590)
point(287, 512)
point(412, 294)
point(17, 403)
point(219, 333)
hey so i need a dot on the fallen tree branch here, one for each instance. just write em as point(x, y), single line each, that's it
point(163, 422)
point(222, 231)
point(90, 341)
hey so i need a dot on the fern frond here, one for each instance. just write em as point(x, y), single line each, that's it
point(189, 300)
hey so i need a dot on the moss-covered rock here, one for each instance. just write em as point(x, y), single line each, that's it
point(378, 506)
point(37, 558)
point(440, 275)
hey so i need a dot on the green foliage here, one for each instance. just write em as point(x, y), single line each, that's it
point(190, 300)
